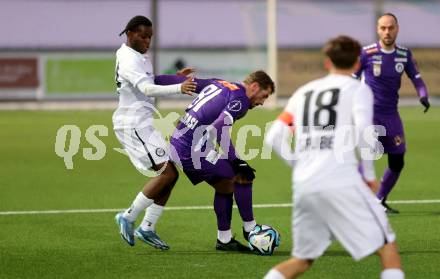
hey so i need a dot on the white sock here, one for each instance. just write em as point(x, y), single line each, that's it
point(274, 274)
point(248, 226)
point(392, 273)
point(139, 204)
point(152, 214)
point(224, 236)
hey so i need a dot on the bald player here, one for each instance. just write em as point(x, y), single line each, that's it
point(382, 65)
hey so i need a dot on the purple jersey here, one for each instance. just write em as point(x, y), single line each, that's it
point(219, 103)
point(383, 73)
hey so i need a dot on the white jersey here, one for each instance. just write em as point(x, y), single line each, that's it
point(132, 68)
point(136, 89)
point(327, 114)
point(331, 117)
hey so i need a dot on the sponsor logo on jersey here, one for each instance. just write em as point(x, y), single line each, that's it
point(235, 105)
point(377, 57)
point(399, 67)
point(402, 52)
point(376, 69)
point(401, 59)
point(369, 46)
point(372, 50)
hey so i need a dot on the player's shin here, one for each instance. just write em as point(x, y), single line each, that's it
point(152, 215)
point(140, 203)
point(223, 211)
point(389, 179)
point(243, 198)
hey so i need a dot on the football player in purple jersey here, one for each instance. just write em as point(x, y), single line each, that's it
point(382, 65)
point(203, 128)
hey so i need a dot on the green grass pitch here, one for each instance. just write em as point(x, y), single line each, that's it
point(87, 245)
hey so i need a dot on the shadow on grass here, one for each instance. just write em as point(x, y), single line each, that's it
point(210, 252)
point(414, 214)
point(429, 252)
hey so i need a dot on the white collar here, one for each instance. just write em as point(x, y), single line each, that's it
point(134, 51)
point(387, 51)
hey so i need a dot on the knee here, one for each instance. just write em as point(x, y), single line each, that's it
point(396, 162)
point(224, 186)
point(239, 179)
point(176, 177)
point(306, 264)
point(170, 174)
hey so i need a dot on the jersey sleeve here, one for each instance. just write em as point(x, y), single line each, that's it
point(413, 73)
point(237, 106)
point(363, 63)
point(411, 67)
point(130, 70)
point(279, 135)
point(176, 79)
point(363, 122)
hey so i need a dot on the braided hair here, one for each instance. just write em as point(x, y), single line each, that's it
point(135, 22)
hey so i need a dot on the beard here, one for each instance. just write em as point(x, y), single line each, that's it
point(388, 41)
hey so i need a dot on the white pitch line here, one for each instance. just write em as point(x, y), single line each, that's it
point(204, 207)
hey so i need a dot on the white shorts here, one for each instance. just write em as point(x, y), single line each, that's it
point(145, 146)
point(349, 214)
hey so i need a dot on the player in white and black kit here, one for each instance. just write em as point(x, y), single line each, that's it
point(133, 125)
point(332, 120)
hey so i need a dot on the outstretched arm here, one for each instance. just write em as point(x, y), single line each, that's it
point(131, 72)
point(175, 79)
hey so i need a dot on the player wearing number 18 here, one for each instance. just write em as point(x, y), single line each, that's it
point(205, 125)
point(331, 198)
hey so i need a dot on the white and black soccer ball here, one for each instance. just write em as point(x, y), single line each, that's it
point(264, 239)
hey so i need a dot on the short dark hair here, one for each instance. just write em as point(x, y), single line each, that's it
point(135, 22)
point(262, 79)
point(391, 15)
point(343, 51)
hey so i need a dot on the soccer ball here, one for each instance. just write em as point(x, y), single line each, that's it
point(264, 239)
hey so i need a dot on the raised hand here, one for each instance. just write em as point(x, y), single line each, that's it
point(189, 86)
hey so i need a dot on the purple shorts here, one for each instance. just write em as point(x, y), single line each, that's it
point(394, 140)
point(199, 169)
point(207, 171)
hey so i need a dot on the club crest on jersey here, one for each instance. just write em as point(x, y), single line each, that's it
point(376, 69)
point(398, 140)
point(399, 67)
point(160, 152)
point(234, 105)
